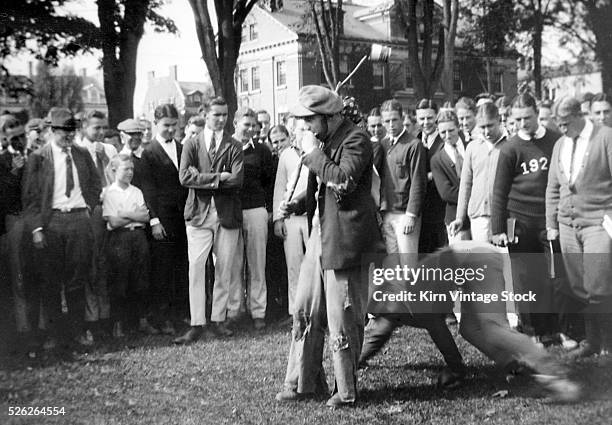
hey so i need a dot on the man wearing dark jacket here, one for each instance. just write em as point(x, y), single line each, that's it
point(330, 289)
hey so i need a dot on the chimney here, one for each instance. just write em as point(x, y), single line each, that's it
point(173, 72)
point(150, 75)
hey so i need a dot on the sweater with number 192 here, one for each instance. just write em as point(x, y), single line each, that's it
point(520, 180)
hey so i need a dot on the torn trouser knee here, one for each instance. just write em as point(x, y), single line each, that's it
point(339, 342)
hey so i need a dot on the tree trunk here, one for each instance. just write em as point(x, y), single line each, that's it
point(598, 19)
point(537, 47)
point(451, 16)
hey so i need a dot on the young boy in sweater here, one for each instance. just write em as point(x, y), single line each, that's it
point(127, 248)
point(519, 193)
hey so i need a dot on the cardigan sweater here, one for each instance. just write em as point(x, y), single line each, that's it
point(584, 202)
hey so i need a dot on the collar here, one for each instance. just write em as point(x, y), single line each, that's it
point(432, 137)
point(127, 151)
point(586, 132)
point(208, 135)
point(396, 138)
point(85, 141)
point(115, 186)
point(162, 141)
point(56, 149)
point(540, 132)
point(248, 144)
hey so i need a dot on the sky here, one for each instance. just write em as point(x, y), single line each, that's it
point(157, 52)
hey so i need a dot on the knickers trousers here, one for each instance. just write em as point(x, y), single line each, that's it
point(335, 299)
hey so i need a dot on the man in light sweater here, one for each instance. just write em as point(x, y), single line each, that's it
point(519, 194)
point(578, 196)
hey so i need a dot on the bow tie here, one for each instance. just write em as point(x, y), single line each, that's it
point(168, 141)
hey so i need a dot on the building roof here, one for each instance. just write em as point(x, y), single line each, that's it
point(190, 87)
point(293, 10)
point(565, 70)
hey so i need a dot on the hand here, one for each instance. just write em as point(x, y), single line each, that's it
point(193, 170)
point(225, 176)
point(280, 230)
point(501, 239)
point(429, 176)
point(309, 141)
point(408, 222)
point(99, 147)
point(552, 234)
point(287, 208)
point(158, 231)
point(38, 239)
point(18, 162)
point(455, 226)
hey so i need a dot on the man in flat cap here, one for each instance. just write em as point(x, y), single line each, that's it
point(62, 187)
point(578, 198)
point(131, 132)
point(341, 214)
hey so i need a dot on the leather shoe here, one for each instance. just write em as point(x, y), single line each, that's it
point(220, 330)
point(259, 324)
point(562, 389)
point(145, 327)
point(335, 402)
point(192, 335)
point(291, 395)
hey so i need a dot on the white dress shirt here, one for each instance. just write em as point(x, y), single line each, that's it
point(431, 139)
point(170, 148)
point(117, 199)
point(208, 138)
point(582, 143)
point(127, 151)
point(450, 150)
point(60, 200)
point(109, 149)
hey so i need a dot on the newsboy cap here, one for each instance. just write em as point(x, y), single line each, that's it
point(314, 100)
point(61, 118)
point(35, 124)
point(130, 126)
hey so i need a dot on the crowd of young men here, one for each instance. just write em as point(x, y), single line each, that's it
point(97, 236)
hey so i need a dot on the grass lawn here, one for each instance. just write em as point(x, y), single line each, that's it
point(234, 381)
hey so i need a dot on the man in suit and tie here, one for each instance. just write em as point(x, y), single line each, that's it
point(62, 187)
point(446, 167)
point(578, 196)
point(211, 167)
point(433, 230)
point(165, 198)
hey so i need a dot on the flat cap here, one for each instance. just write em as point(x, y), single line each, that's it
point(35, 124)
point(314, 100)
point(61, 118)
point(131, 126)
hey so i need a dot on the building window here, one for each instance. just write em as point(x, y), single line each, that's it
point(243, 80)
point(244, 34)
point(409, 82)
point(378, 75)
point(281, 73)
point(196, 98)
point(255, 78)
point(397, 76)
point(457, 85)
point(497, 83)
point(252, 32)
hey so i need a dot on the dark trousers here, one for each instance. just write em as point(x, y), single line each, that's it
point(380, 328)
point(67, 261)
point(433, 237)
point(169, 283)
point(127, 253)
point(276, 276)
point(531, 272)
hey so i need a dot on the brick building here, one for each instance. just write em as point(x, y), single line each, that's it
point(278, 56)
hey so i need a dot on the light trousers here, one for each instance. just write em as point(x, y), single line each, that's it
point(335, 299)
point(395, 239)
point(295, 246)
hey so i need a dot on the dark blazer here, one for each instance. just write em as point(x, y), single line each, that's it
point(447, 182)
point(40, 178)
point(404, 179)
point(160, 183)
point(206, 184)
point(433, 206)
point(346, 207)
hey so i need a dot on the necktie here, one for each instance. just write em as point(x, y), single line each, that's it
point(571, 166)
point(425, 141)
point(101, 161)
point(213, 147)
point(458, 160)
point(69, 176)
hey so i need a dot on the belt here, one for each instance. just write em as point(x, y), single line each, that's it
point(69, 210)
point(127, 229)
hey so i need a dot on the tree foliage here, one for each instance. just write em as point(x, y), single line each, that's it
point(43, 28)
